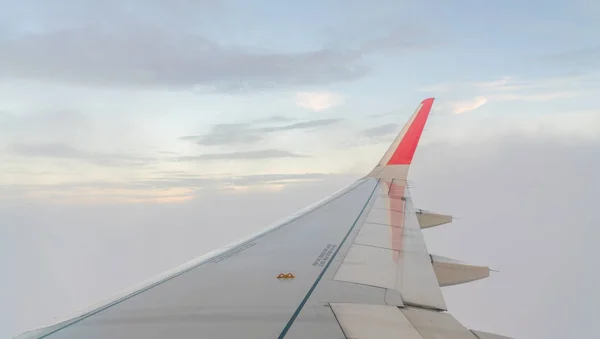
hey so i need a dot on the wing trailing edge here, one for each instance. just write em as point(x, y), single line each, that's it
point(389, 322)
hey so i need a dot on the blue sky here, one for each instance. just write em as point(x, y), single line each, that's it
point(113, 107)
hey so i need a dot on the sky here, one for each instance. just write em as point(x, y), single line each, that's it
point(129, 129)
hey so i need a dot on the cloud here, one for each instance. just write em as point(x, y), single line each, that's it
point(543, 96)
point(382, 115)
point(195, 182)
point(403, 38)
point(143, 56)
point(161, 188)
point(274, 118)
point(494, 83)
point(130, 53)
point(301, 125)
point(249, 133)
point(468, 105)
point(381, 130)
point(567, 125)
point(183, 180)
point(318, 101)
point(465, 179)
point(249, 155)
point(437, 88)
point(63, 151)
point(513, 88)
point(177, 45)
point(583, 57)
point(543, 89)
point(540, 89)
point(49, 123)
point(48, 150)
point(543, 84)
point(227, 134)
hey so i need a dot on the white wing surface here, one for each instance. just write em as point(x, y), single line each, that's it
point(354, 265)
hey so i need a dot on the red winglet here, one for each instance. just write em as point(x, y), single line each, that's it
point(406, 149)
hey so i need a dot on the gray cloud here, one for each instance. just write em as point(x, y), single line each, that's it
point(163, 181)
point(381, 130)
point(50, 123)
point(274, 118)
point(63, 151)
point(382, 115)
point(144, 226)
point(278, 178)
point(192, 181)
point(535, 225)
point(48, 150)
point(248, 133)
point(301, 125)
point(148, 57)
point(526, 208)
point(227, 134)
point(249, 155)
point(132, 52)
point(584, 57)
point(401, 39)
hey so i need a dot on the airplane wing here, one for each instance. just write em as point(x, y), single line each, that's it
point(354, 265)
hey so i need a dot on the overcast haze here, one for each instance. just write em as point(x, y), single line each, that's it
point(137, 135)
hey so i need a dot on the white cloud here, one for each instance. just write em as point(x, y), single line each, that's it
point(443, 87)
point(539, 96)
point(318, 101)
point(468, 105)
point(515, 88)
point(495, 83)
point(567, 126)
point(540, 89)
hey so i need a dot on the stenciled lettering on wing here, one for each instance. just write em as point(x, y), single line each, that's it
point(325, 255)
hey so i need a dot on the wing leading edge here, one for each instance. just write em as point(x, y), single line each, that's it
point(359, 264)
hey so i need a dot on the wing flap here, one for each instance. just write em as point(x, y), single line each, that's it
point(389, 251)
point(486, 335)
point(369, 265)
point(364, 321)
point(435, 325)
point(360, 321)
point(386, 216)
point(419, 282)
